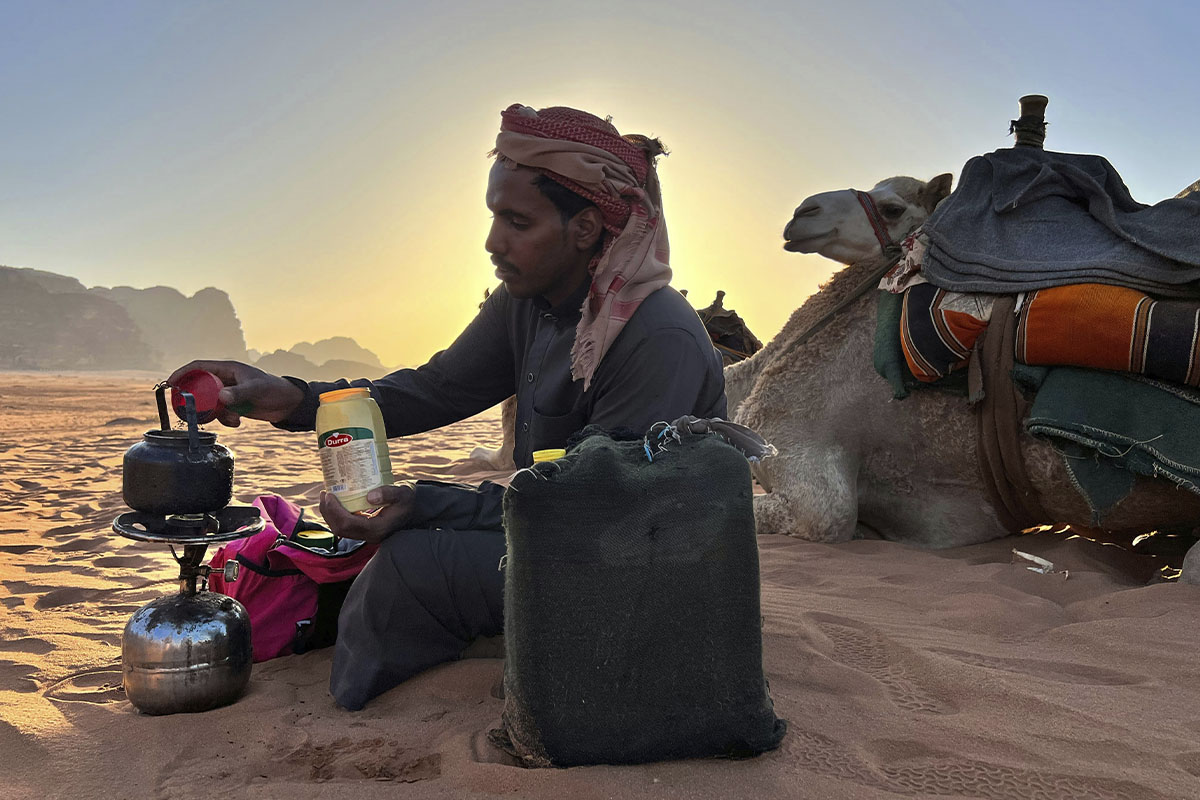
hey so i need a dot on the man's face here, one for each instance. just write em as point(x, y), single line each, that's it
point(535, 254)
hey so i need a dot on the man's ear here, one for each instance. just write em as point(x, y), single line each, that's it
point(587, 227)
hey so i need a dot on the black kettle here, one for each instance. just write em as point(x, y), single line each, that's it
point(177, 472)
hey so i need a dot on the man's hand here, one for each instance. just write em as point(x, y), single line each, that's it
point(248, 392)
point(395, 506)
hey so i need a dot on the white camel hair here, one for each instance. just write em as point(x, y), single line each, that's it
point(853, 461)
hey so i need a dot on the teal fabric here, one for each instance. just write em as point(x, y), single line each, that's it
point(1106, 422)
point(888, 355)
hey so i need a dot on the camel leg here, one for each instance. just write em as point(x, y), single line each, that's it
point(815, 501)
point(502, 457)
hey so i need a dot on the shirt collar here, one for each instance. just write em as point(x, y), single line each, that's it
point(572, 307)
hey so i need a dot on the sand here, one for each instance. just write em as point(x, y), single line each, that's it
point(902, 672)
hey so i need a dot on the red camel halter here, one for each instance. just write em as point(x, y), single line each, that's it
point(889, 248)
point(873, 216)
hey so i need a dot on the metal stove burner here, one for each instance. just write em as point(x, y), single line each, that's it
point(231, 522)
point(193, 524)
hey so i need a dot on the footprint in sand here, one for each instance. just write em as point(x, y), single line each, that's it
point(18, 549)
point(23, 587)
point(341, 760)
point(28, 644)
point(61, 529)
point(824, 756)
point(865, 649)
point(64, 597)
point(81, 545)
point(929, 773)
point(16, 677)
point(1061, 671)
point(1189, 762)
point(97, 686)
point(60, 567)
point(374, 759)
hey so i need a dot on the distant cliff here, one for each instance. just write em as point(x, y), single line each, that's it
point(338, 348)
point(179, 328)
point(326, 360)
point(289, 362)
point(51, 321)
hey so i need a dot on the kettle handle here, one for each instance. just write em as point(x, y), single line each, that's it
point(161, 398)
point(193, 424)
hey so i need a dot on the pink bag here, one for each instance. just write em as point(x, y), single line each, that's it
point(291, 592)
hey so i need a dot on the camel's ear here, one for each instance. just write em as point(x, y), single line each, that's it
point(936, 190)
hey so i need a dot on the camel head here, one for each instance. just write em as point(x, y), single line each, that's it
point(835, 225)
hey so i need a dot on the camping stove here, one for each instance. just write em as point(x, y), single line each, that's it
point(189, 651)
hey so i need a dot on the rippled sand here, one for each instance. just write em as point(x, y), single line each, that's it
point(902, 673)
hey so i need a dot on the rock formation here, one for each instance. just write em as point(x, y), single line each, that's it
point(48, 321)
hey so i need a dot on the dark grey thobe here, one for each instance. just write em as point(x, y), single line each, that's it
point(434, 587)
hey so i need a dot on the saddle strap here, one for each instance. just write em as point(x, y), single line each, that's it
point(999, 415)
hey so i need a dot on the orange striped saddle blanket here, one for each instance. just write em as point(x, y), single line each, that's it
point(1084, 325)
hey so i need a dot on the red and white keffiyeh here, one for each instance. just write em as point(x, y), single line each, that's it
point(588, 156)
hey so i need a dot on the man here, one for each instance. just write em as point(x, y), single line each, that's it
point(584, 330)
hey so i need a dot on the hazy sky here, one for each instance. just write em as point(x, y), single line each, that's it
point(324, 163)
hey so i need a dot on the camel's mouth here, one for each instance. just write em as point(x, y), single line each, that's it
point(806, 244)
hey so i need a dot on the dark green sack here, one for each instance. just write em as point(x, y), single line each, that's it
point(632, 623)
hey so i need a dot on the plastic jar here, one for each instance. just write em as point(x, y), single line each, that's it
point(352, 443)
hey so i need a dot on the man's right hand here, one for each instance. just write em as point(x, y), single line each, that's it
point(248, 392)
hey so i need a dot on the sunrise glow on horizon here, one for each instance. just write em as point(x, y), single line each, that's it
point(324, 164)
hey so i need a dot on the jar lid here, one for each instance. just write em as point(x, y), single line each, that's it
point(204, 387)
point(343, 394)
point(548, 455)
point(322, 539)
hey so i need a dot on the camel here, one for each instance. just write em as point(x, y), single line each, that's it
point(730, 335)
point(501, 458)
point(855, 463)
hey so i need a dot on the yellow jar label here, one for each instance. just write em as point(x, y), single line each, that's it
point(349, 460)
point(352, 446)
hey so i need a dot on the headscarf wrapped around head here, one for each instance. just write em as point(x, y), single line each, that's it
point(588, 156)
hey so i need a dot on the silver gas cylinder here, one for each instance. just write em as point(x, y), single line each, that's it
point(186, 652)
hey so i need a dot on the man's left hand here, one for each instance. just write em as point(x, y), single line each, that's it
point(393, 507)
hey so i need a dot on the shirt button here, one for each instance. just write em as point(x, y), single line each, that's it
point(529, 377)
point(525, 426)
point(547, 315)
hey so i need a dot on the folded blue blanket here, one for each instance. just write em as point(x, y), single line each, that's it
point(1025, 218)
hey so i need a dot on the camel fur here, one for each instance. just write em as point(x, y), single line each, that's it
point(854, 462)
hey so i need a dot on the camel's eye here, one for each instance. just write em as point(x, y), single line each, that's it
point(892, 211)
